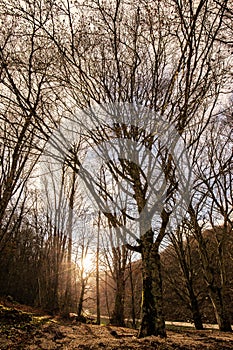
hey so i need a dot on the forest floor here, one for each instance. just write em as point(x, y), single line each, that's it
point(22, 327)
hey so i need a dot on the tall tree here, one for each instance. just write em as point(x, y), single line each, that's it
point(213, 202)
point(152, 54)
point(183, 246)
point(26, 106)
point(98, 270)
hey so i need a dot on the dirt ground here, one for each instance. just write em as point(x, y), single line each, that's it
point(25, 328)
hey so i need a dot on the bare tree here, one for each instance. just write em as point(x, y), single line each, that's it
point(98, 311)
point(115, 261)
point(61, 208)
point(84, 243)
point(183, 246)
point(70, 228)
point(121, 59)
point(132, 289)
point(26, 100)
point(159, 57)
point(213, 202)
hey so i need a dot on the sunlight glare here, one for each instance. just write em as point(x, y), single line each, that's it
point(88, 264)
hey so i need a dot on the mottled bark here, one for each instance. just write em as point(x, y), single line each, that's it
point(152, 318)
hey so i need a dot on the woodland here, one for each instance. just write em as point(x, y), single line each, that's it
point(116, 172)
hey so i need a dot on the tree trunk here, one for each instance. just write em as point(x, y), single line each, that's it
point(133, 314)
point(117, 318)
point(195, 311)
point(97, 275)
point(81, 299)
point(216, 293)
point(152, 318)
point(119, 264)
point(106, 293)
point(220, 309)
point(68, 297)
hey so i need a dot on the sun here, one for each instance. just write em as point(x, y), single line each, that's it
point(88, 264)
